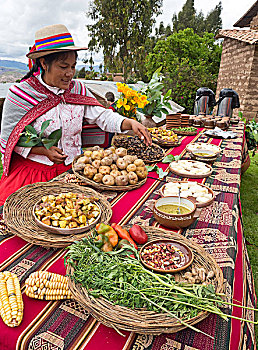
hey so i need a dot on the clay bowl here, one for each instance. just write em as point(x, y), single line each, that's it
point(175, 221)
point(182, 252)
point(204, 155)
point(65, 231)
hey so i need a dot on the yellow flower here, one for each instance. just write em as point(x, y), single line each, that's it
point(123, 103)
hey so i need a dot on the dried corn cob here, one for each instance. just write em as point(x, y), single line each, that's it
point(47, 286)
point(11, 304)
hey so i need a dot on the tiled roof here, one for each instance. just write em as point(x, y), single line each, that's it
point(249, 36)
point(245, 20)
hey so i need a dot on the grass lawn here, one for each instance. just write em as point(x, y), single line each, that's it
point(249, 201)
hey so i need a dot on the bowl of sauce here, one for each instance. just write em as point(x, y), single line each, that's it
point(170, 213)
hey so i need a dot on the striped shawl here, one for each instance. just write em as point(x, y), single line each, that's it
point(26, 102)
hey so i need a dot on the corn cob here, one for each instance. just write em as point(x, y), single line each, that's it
point(47, 286)
point(11, 304)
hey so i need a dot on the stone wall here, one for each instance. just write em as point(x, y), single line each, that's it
point(239, 71)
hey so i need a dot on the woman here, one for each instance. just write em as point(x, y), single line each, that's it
point(51, 95)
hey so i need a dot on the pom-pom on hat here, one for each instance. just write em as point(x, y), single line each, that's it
point(52, 39)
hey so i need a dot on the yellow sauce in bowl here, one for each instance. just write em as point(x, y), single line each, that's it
point(173, 209)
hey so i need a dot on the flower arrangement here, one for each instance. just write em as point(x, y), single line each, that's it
point(129, 101)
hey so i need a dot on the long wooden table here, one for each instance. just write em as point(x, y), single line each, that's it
point(66, 325)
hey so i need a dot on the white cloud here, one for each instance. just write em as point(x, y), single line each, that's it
point(20, 19)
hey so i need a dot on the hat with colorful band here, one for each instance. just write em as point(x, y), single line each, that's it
point(52, 39)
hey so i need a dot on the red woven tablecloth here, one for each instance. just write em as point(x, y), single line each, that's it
point(66, 325)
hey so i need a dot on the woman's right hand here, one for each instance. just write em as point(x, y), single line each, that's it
point(56, 155)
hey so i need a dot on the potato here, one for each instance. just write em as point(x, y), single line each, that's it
point(139, 162)
point(97, 154)
point(129, 159)
point(115, 173)
point(107, 160)
point(89, 171)
point(141, 172)
point(121, 152)
point(108, 180)
point(107, 152)
point(96, 163)
point(133, 178)
point(87, 153)
point(104, 169)
point(114, 157)
point(121, 164)
point(83, 159)
point(113, 167)
point(121, 180)
point(131, 167)
point(78, 167)
point(98, 177)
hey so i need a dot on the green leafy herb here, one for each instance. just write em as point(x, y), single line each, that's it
point(170, 158)
point(158, 170)
point(30, 138)
point(122, 279)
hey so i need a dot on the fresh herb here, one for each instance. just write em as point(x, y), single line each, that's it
point(30, 138)
point(170, 158)
point(124, 281)
point(161, 173)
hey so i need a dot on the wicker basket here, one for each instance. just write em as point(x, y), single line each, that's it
point(147, 161)
point(166, 144)
point(18, 213)
point(142, 321)
point(184, 133)
point(101, 186)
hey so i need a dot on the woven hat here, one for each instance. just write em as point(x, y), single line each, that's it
point(52, 39)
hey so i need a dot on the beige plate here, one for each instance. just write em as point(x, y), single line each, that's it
point(193, 199)
point(202, 145)
point(192, 176)
point(65, 231)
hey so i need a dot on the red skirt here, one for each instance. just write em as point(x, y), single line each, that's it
point(24, 172)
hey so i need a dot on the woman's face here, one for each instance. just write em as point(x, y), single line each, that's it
point(60, 72)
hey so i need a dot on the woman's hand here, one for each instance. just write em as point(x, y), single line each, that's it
point(139, 129)
point(56, 155)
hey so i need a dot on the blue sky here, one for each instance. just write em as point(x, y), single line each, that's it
point(21, 18)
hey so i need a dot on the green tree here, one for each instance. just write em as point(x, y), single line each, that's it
point(119, 27)
point(189, 61)
point(81, 73)
point(189, 18)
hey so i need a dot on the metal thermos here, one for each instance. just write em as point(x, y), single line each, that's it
point(204, 101)
point(228, 100)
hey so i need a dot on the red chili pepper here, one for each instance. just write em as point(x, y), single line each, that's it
point(122, 233)
point(138, 234)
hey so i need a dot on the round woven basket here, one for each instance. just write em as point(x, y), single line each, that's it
point(166, 144)
point(147, 161)
point(18, 213)
point(142, 321)
point(185, 133)
point(101, 186)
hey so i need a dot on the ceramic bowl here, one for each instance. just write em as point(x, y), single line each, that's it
point(209, 155)
point(175, 221)
point(65, 231)
point(198, 204)
point(182, 252)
